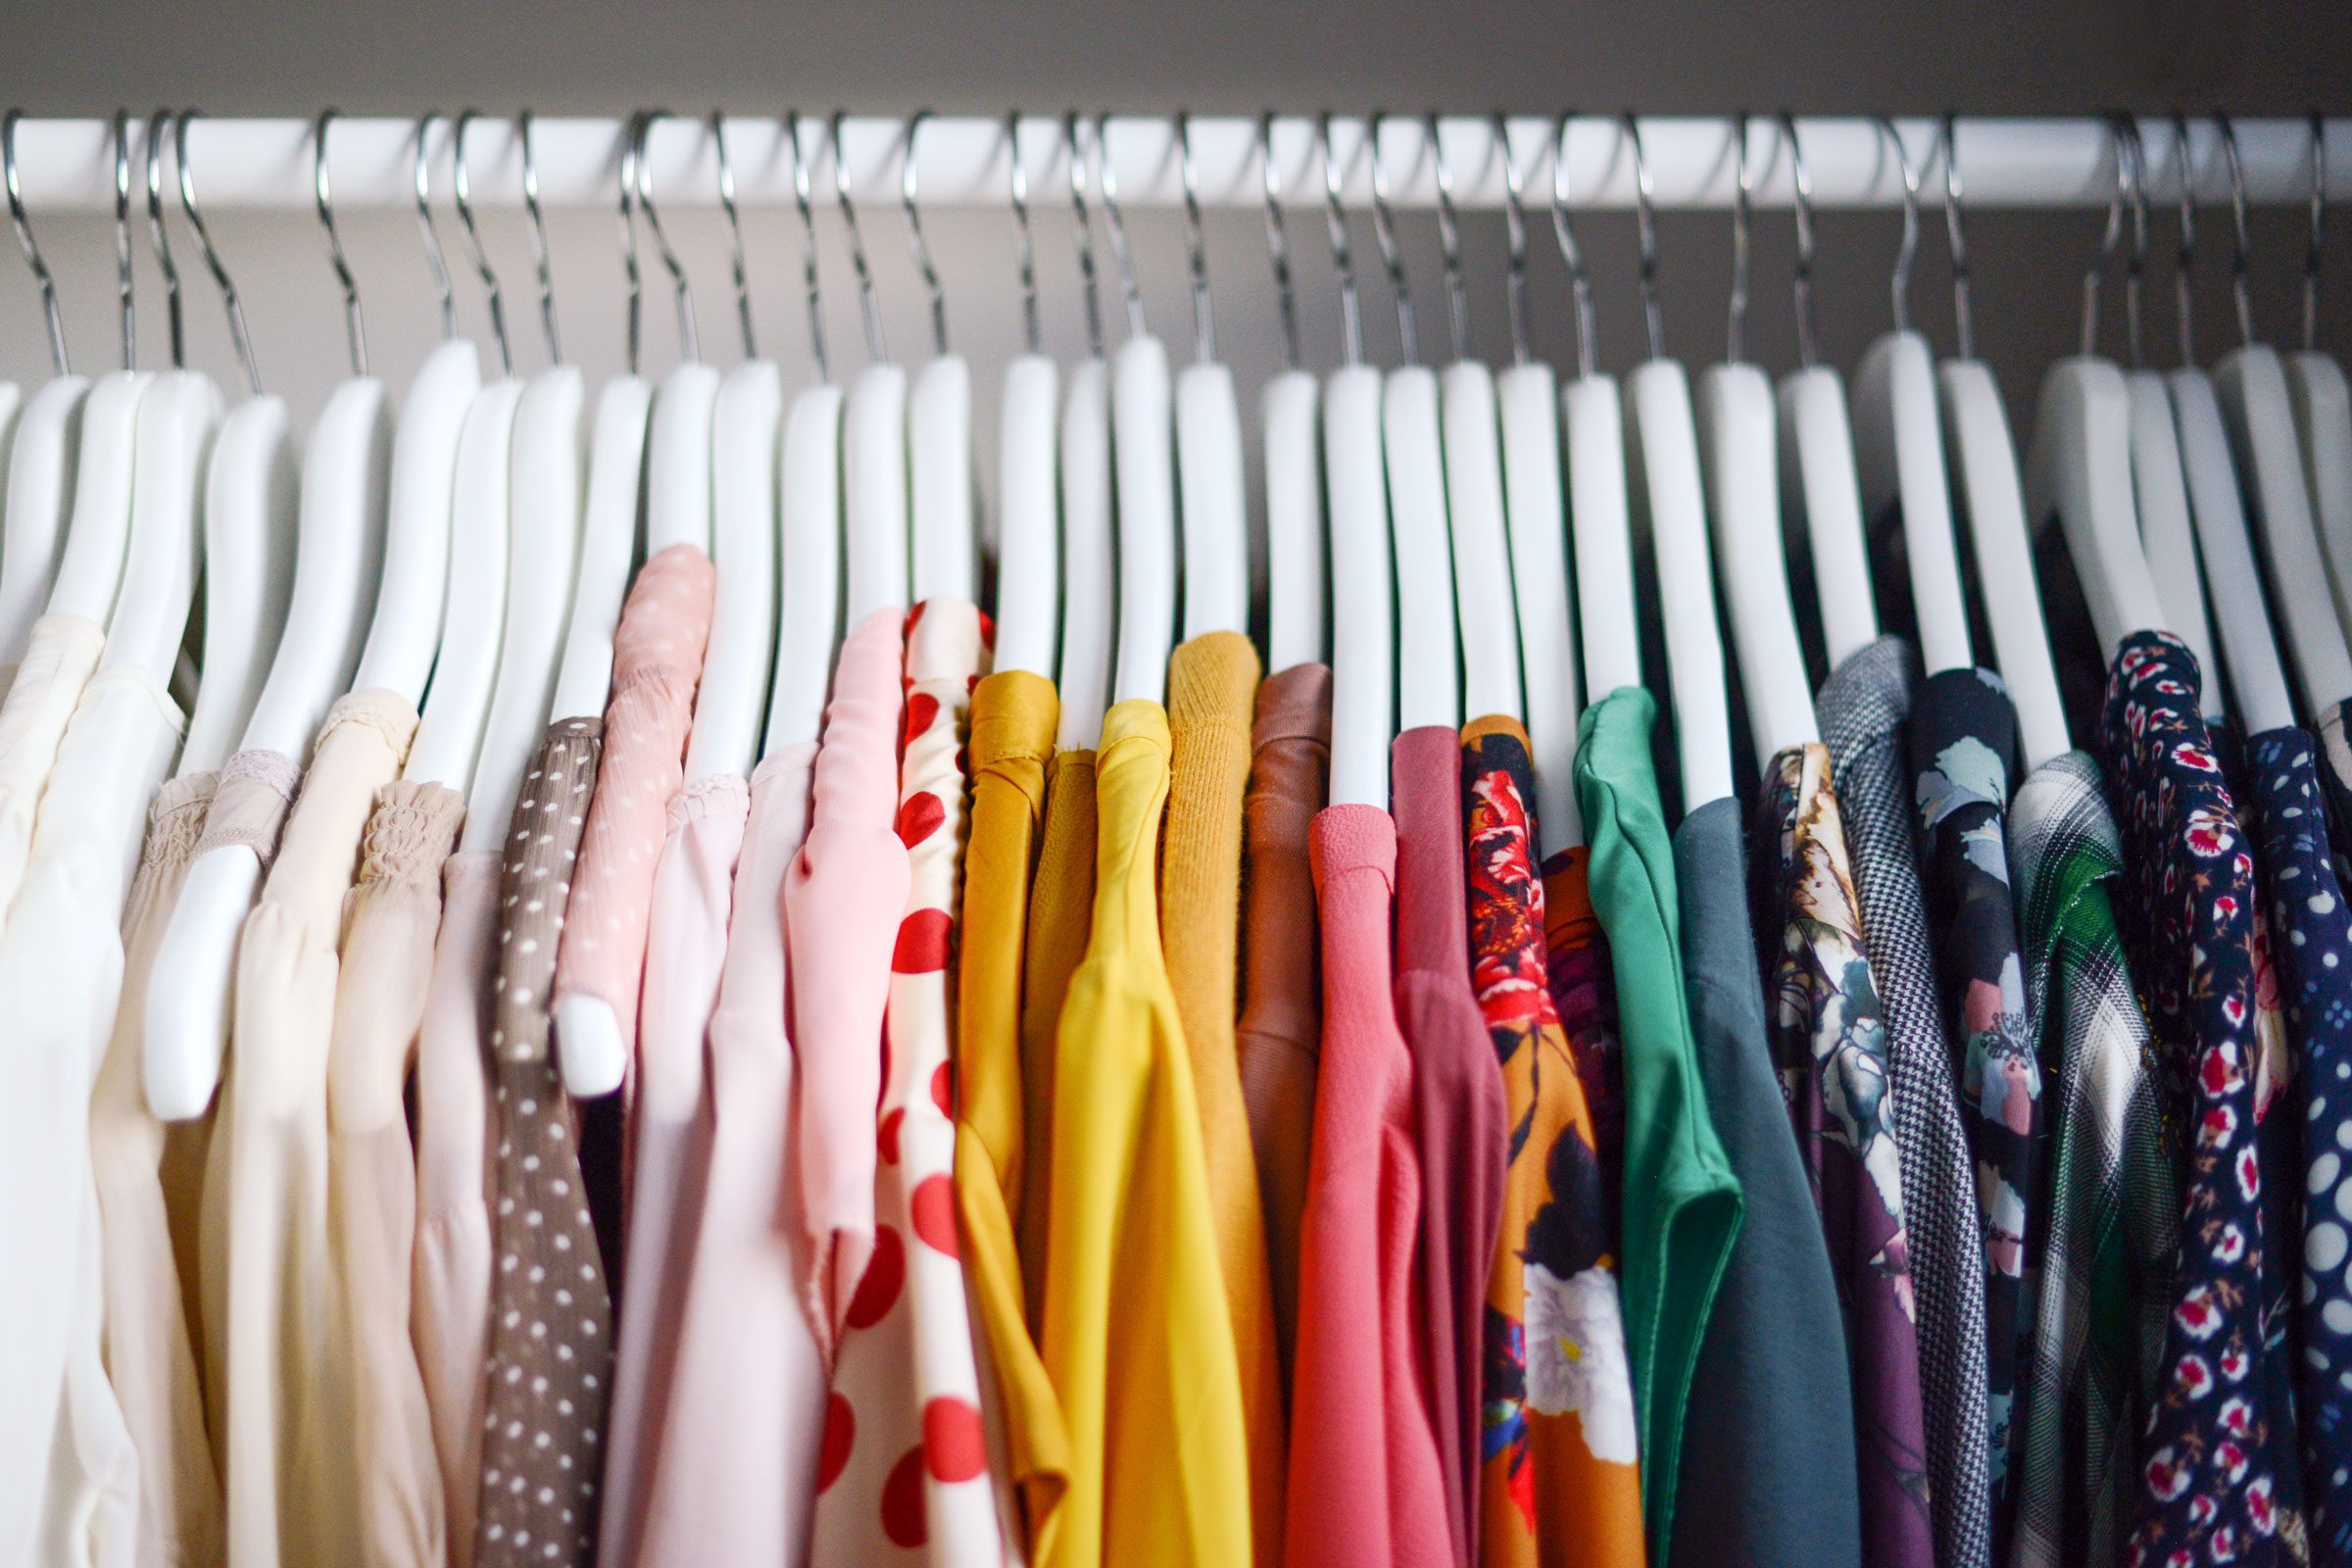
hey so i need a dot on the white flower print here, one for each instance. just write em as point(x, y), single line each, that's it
point(1576, 1358)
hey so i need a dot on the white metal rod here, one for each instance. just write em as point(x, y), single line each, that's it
point(68, 164)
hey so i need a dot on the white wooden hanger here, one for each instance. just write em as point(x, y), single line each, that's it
point(341, 552)
point(1668, 495)
point(1029, 504)
point(875, 444)
point(1293, 451)
point(1820, 479)
point(1535, 511)
point(39, 438)
point(945, 548)
point(808, 618)
point(450, 728)
point(2253, 387)
point(1090, 592)
point(1486, 604)
point(1420, 533)
point(1898, 451)
point(249, 511)
point(592, 1053)
point(1363, 667)
point(1213, 496)
point(549, 463)
point(746, 430)
point(1737, 419)
point(1142, 451)
point(2256, 679)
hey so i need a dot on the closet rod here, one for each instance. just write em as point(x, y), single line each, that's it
point(68, 163)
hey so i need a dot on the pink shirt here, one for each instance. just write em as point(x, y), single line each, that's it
point(1365, 1484)
point(685, 944)
point(656, 663)
point(842, 905)
point(734, 1469)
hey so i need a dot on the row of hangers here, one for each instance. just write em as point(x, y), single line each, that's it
point(470, 556)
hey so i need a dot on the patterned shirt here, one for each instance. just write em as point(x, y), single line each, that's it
point(2206, 1493)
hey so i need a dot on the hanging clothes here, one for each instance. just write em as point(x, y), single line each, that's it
point(1558, 1477)
point(1158, 1464)
point(1865, 707)
point(2087, 1379)
point(2189, 925)
point(1281, 1018)
point(1061, 906)
point(1681, 1203)
point(58, 661)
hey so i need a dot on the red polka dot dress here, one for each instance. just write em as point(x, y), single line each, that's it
point(903, 1474)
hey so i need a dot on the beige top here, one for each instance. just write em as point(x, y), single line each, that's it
point(274, 1365)
point(389, 924)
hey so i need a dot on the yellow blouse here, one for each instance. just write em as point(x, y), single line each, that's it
point(1159, 1471)
point(1213, 697)
point(1061, 906)
point(1011, 737)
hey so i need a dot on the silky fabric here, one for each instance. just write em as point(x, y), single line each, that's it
point(449, 1310)
point(1013, 714)
point(733, 1475)
point(547, 1311)
point(276, 1361)
point(1280, 1015)
point(69, 1486)
point(686, 941)
point(657, 665)
point(2087, 1381)
point(1829, 1042)
point(1963, 761)
point(1159, 1469)
point(2188, 929)
point(389, 924)
point(1559, 1480)
point(1865, 709)
point(1681, 1203)
point(1459, 1115)
point(1061, 914)
point(1212, 693)
point(150, 1359)
point(842, 905)
point(58, 663)
point(1768, 1468)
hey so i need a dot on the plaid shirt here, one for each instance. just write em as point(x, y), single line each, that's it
point(2114, 1204)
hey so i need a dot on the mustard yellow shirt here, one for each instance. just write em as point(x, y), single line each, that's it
point(1011, 739)
point(1136, 1336)
point(1212, 700)
point(1061, 906)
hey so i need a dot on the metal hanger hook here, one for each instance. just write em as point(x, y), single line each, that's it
point(157, 124)
point(1646, 218)
point(1580, 282)
point(1908, 251)
point(1106, 180)
point(802, 198)
point(2242, 286)
point(1384, 235)
point(523, 127)
point(2109, 237)
point(1744, 194)
point(1278, 242)
point(1808, 335)
point(461, 188)
point(2135, 264)
point(1196, 243)
point(868, 303)
point(1514, 228)
point(727, 209)
point(2318, 231)
point(1083, 231)
point(355, 322)
point(32, 250)
point(238, 333)
point(420, 181)
point(1342, 258)
point(907, 168)
point(1964, 318)
point(1450, 239)
point(2185, 259)
point(690, 342)
point(628, 245)
point(1024, 244)
point(122, 268)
